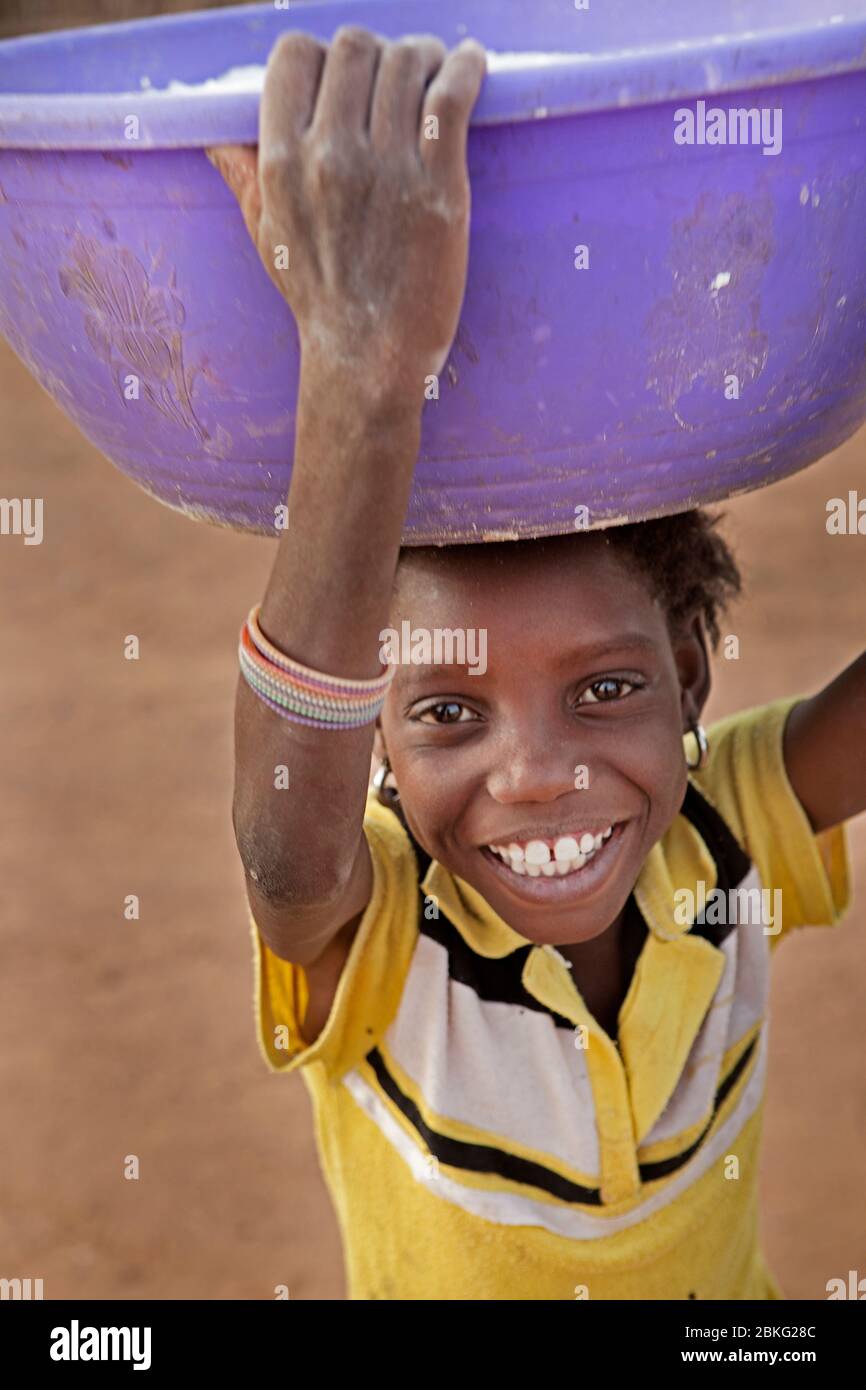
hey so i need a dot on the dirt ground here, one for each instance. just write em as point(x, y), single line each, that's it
point(121, 1038)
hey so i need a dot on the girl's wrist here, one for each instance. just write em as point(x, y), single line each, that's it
point(359, 399)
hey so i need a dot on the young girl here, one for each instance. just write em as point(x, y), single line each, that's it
point(526, 974)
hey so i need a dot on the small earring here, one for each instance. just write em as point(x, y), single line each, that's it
point(703, 746)
point(381, 774)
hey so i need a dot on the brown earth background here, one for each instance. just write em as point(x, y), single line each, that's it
point(122, 1037)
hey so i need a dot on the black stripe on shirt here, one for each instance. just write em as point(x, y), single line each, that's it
point(731, 861)
point(497, 980)
point(479, 1158)
point(650, 1171)
point(487, 1158)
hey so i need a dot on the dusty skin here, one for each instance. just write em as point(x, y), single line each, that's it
point(119, 1038)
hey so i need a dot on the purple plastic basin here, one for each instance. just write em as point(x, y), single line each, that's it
point(715, 340)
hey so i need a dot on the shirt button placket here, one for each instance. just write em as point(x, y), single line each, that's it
point(620, 1175)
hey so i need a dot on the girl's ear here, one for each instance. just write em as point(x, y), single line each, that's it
point(693, 667)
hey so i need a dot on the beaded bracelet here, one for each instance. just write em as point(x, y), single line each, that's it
point(302, 695)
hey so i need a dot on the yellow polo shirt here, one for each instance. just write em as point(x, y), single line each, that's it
point(480, 1134)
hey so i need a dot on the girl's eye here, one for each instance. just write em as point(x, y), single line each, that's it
point(446, 712)
point(605, 690)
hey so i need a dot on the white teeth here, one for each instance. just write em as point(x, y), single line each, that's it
point(536, 859)
point(537, 852)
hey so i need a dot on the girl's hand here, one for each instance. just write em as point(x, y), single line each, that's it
point(358, 202)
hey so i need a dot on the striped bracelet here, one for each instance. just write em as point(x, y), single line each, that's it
point(302, 695)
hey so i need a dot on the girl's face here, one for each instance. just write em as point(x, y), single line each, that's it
point(573, 730)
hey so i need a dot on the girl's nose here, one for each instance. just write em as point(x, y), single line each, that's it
point(534, 770)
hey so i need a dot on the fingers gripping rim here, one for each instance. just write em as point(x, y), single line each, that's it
point(450, 99)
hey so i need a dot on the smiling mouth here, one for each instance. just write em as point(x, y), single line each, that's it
point(569, 866)
point(567, 854)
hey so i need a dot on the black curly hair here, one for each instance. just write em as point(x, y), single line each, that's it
point(690, 566)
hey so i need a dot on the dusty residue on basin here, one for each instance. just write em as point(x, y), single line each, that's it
point(708, 327)
point(250, 77)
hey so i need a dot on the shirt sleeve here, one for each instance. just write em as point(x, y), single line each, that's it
point(747, 782)
point(371, 982)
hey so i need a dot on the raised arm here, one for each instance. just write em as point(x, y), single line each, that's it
point(825, 749)
point(374, 216)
